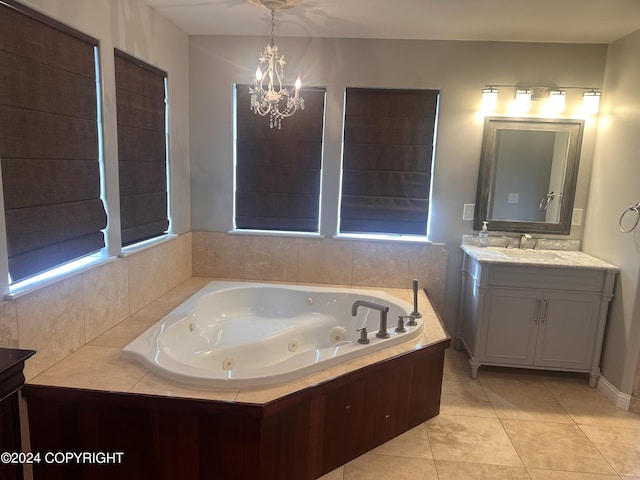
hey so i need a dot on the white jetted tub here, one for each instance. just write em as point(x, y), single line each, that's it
point(237, 334)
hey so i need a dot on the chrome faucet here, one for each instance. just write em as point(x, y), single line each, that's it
point(523, 240)
point(382, 332)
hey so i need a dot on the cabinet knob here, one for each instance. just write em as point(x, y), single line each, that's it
point(347, 407)
point(387, 416)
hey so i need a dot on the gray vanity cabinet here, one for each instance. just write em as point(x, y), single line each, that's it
point(530, 316)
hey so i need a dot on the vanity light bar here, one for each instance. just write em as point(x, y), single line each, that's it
point(557, 96)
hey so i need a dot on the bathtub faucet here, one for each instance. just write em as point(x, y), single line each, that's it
point(382, 332)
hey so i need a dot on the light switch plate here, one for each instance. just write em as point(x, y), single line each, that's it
point(468, 211)
point(576, 218)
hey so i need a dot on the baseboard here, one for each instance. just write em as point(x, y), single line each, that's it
point(615, 396)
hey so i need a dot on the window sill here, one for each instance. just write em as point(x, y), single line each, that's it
point(276, 233)
point(383, 238)
point(49, 278)
point(152, 242)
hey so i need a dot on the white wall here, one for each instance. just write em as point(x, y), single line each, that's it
point(133, 27)
point(615, 186)
point(459, 69)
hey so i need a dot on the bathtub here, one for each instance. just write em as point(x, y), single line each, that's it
point(238, 334)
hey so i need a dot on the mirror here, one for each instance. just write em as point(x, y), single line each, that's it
point(528, 174)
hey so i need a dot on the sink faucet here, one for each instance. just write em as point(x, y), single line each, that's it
point(382, 332)
point(523, 240)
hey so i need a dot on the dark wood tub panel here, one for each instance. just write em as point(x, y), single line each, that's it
point(300, 436)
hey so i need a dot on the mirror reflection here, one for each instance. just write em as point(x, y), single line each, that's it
point(528, 171)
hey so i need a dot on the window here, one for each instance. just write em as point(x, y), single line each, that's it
point(49, 145)
point(387, 161)
point(142, 149)
point(277, 177)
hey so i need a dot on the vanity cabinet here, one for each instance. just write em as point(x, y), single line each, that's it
point(533, 316)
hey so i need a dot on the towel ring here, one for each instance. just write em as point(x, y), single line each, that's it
point(634, 208)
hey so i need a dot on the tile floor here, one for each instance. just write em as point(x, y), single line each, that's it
point(510, 424)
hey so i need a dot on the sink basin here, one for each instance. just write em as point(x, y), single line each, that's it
point(530, 254)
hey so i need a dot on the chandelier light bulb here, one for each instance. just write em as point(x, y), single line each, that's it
point(258, 74)
point(298, 83)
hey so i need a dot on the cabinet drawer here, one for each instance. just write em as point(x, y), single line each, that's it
point(581, 280)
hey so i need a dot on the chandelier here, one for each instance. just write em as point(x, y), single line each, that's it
point(268, 95)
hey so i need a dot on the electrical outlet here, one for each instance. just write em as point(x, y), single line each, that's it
point(468, 211)
point(576, 218)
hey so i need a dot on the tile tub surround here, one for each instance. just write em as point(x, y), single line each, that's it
point(98, 365)
point(58, 319)
point(362, 263)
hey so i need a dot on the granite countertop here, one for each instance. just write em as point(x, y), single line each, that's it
point(98, 365)
point(537, 258)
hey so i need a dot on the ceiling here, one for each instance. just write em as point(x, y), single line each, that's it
point(571, 21)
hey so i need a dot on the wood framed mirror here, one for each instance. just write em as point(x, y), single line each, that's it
point(528, 173)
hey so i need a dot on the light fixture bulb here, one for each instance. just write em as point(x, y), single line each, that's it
point(489, 99)
point(298, 83)
point(522, 102)
point(591, 102)
point(258, 74)
point(556, 101)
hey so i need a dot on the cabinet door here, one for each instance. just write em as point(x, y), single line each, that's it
point(392, 401)
point(567, 330)
point(510, 326)
point(349, 423)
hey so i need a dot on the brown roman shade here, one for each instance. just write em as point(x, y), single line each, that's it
point(278, 170)
point(142, 152)
point(49, 147)
point(387, 157)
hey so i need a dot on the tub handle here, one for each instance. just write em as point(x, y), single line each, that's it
point(411, 317)
point(363, 335)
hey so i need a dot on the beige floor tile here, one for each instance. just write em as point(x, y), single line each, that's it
point(414, 443)
point(471, 439)
point(465, 398)
point(555, 446)
point(513, 376)
point(620, 446)
point(589, 406)
point(522, 402)
point(384, 467)
point(565, 379)
point(537, 474)
point(479, 471)
point(456, 366)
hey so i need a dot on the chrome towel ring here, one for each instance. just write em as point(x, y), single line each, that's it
point(635, 209)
